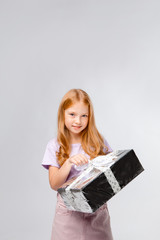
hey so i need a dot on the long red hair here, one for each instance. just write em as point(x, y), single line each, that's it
point(91, 140)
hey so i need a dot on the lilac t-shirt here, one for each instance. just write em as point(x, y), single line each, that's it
point(50, 158)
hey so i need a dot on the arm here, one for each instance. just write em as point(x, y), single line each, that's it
point(57, 176)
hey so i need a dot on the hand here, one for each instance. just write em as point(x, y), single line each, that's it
point(78, 159)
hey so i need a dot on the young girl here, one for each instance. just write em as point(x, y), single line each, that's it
point(77, 141)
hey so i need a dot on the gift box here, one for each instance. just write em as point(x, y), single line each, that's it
point(104, 177)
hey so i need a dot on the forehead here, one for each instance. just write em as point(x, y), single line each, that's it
point(78, 107)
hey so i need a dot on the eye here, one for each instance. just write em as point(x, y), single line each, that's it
point(72, 114)
point(84, 115)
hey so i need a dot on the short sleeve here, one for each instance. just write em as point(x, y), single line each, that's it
point(50, 158)
point(106, 144)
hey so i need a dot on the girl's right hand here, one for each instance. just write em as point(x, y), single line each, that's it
point(78, 159)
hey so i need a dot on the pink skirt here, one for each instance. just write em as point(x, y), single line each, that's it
point(71, 225)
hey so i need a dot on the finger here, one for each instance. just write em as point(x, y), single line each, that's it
point(83, 161)
point(75, 159)
point(84, 157)
point(79, 160)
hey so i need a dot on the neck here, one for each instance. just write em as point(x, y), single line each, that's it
point(75, 139)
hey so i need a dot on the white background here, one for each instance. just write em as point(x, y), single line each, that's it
point(109, 49)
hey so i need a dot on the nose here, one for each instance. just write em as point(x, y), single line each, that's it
point(77, 120)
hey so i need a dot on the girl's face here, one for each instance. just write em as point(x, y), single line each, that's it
point(76, 118)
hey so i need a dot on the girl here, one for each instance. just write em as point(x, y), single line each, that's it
point(78, 140)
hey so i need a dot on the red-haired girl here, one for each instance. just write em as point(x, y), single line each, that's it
point(77, 141)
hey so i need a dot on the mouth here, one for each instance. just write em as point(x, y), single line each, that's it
point(77, 127)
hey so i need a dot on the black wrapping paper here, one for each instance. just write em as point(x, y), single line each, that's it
point(100, 181)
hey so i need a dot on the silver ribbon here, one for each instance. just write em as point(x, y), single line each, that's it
point(104, 163)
